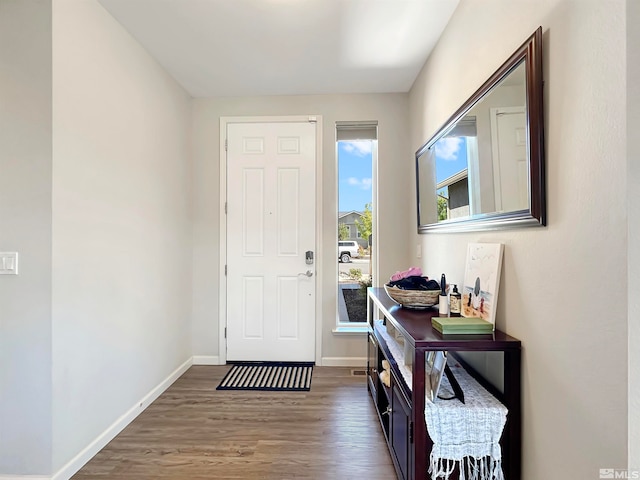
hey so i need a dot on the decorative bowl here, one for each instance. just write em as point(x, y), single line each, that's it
point(418, 299)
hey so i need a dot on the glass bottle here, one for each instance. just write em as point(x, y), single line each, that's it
point(455, 299)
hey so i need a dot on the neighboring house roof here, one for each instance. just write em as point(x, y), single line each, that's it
point(462, 174)
point(344, 214)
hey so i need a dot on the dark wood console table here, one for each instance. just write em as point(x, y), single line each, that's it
point(401, 407)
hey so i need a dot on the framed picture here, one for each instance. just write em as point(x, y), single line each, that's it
point(481, 281)
point(435, 363)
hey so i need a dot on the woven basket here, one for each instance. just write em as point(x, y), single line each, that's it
point(413, 298)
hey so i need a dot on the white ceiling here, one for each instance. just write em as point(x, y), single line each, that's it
point(286, 47)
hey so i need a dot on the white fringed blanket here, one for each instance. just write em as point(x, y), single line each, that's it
point(464, 435)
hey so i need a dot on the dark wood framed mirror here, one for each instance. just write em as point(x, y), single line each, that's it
point(484, 168)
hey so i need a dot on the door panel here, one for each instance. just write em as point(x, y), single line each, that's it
point(509, 149)
point(253, 307)
point(270, 225)
point(252, 218)
point(288, 214)
point(288, 312)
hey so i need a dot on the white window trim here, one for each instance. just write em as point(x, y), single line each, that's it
point(351, 328)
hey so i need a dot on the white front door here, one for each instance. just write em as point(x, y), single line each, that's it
point(271, 225)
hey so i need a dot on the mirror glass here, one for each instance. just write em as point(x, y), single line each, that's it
point(483, 168)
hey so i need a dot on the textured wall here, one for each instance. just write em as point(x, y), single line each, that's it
point(121, 224)
point(633, 179)
point(25, 227)
point(563, 287)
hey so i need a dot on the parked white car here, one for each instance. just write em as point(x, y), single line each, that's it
point(347, 249)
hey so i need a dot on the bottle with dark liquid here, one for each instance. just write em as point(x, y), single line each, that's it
point(455, 302)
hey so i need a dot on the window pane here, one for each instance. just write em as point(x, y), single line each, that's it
point(355, 171)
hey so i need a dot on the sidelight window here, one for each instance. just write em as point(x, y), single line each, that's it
point(356, 147)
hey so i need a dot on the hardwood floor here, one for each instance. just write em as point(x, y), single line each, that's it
point(193, 431)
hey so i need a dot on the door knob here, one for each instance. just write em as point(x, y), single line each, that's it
point(308, 273)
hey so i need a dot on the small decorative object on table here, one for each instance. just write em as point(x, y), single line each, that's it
point(455, 302)
point(462, 325)
point(435, 363)
point(443, 307)
point(411, 290)
point(481, 281)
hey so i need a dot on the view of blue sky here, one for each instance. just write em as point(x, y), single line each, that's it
point(354, 174)
point(355, 171)
point(451, 157)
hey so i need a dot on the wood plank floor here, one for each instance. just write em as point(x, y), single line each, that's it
point(193, 431)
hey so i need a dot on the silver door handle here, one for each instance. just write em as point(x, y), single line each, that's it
point(308, 273)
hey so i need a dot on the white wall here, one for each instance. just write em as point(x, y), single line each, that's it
point(633, 202)
point(25, 227)
point(395, 196)
point(121, 224)
point(563, 287)
point(122, 282)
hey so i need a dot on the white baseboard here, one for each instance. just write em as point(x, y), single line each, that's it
point(206, 360)
point(109, 434)
point(344, 361)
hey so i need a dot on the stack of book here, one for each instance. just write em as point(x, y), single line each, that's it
point(461, 325)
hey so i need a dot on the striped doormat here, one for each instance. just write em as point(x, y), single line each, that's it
point(271, 376)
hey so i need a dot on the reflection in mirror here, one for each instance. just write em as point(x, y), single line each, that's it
point(481, 162)
point(476, 172)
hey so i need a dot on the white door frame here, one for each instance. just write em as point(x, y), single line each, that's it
point(222, 293)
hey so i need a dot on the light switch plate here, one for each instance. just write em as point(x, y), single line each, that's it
point(8, 263)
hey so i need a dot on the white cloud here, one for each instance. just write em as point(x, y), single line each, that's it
point(447, 148)
point(363, 183)
point(358, 147)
